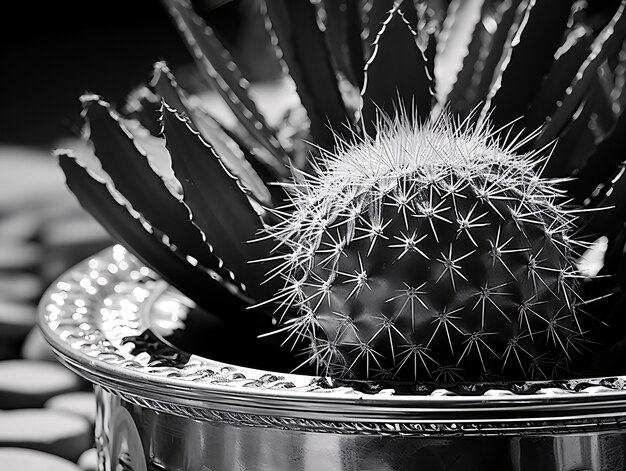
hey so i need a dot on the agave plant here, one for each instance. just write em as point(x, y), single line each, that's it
point(422, 213)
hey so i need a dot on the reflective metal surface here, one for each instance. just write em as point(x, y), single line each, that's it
point(143, 438)
point(162, 407)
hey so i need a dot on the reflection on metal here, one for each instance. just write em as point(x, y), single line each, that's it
point(118, 441)
point(161, 408)
point(172, 442)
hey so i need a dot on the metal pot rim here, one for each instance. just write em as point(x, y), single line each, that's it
point(87, 312)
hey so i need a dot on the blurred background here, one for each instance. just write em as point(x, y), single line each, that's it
point(51, 53)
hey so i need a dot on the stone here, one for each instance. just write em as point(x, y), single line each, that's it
point(20, 287)
point(57, 432)
point(88, 461)
point(19, 255)
point(82, 403)
point(16, 320)
point(27, 383)
point(23, 459)
point(19, 226)
point(35, 347)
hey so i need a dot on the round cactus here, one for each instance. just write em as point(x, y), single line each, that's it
point(430, 253)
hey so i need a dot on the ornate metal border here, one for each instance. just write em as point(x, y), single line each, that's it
point(388, 428)
point(91, 311)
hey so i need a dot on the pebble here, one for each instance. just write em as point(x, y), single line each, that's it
point(27, 383)
point(30, 178)
point(19, 226)
point(70, 240)
point(81, 403)
point(88, 461)
point(21, 287)
point(51, 431)
point(16, 320)
point(22, 459)
point(19, 255)
point(73, 229)
point(43, 232)
point(35, 347)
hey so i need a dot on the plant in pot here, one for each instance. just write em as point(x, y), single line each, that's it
point(413, 237)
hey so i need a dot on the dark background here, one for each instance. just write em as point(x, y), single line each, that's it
point(52, 52)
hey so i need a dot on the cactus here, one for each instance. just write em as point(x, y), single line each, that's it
point(431, 252)
point(450, 164)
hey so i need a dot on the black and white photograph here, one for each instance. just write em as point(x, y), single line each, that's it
point(313, 235)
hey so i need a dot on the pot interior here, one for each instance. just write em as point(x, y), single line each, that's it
point(180, 323)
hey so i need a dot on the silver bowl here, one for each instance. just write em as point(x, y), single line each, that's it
point(163, 407)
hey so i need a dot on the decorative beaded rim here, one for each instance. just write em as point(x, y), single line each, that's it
point(90, 312)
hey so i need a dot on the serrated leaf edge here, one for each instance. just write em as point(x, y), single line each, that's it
point(152, 231)
point(394, 11)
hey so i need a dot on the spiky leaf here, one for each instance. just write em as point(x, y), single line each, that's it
point(591, 180)
point(218, 203)
point(507, 18)
point(123, 160)
point(230, 152)
point(143, 105)
point(462, 94)
point(218, 68)
point(564, 68)
point(396, 75)
point(611, 202)
point(126, 226)
point(608, 41)
point(310, 65)
point(532, 52)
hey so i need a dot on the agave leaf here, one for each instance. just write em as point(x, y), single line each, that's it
point(143, 106)
point(244, 165)
point(127, 165)
point(613, 270)
point(605, 116)
point(218, 204)
point(202, 285)
point(430, 52)
point(584, 153)
point(166, 87)
point(456, 27)
point(604, 294)
point(343, 37)
point(165, 84)
point(610, 202)
point(304, 48)
point(218, 68)
point(373, 14)
point(608, 41)
point(566, 64)
point(532, 53)
point(397, 67)
point(507, 18)
point(461, 95)
point(423, 17)
point(575, 143)
point(265, 171)
point(410, 15)
point(609, 300)
point(591, 180)
point(619, 89)
point(520, 16)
